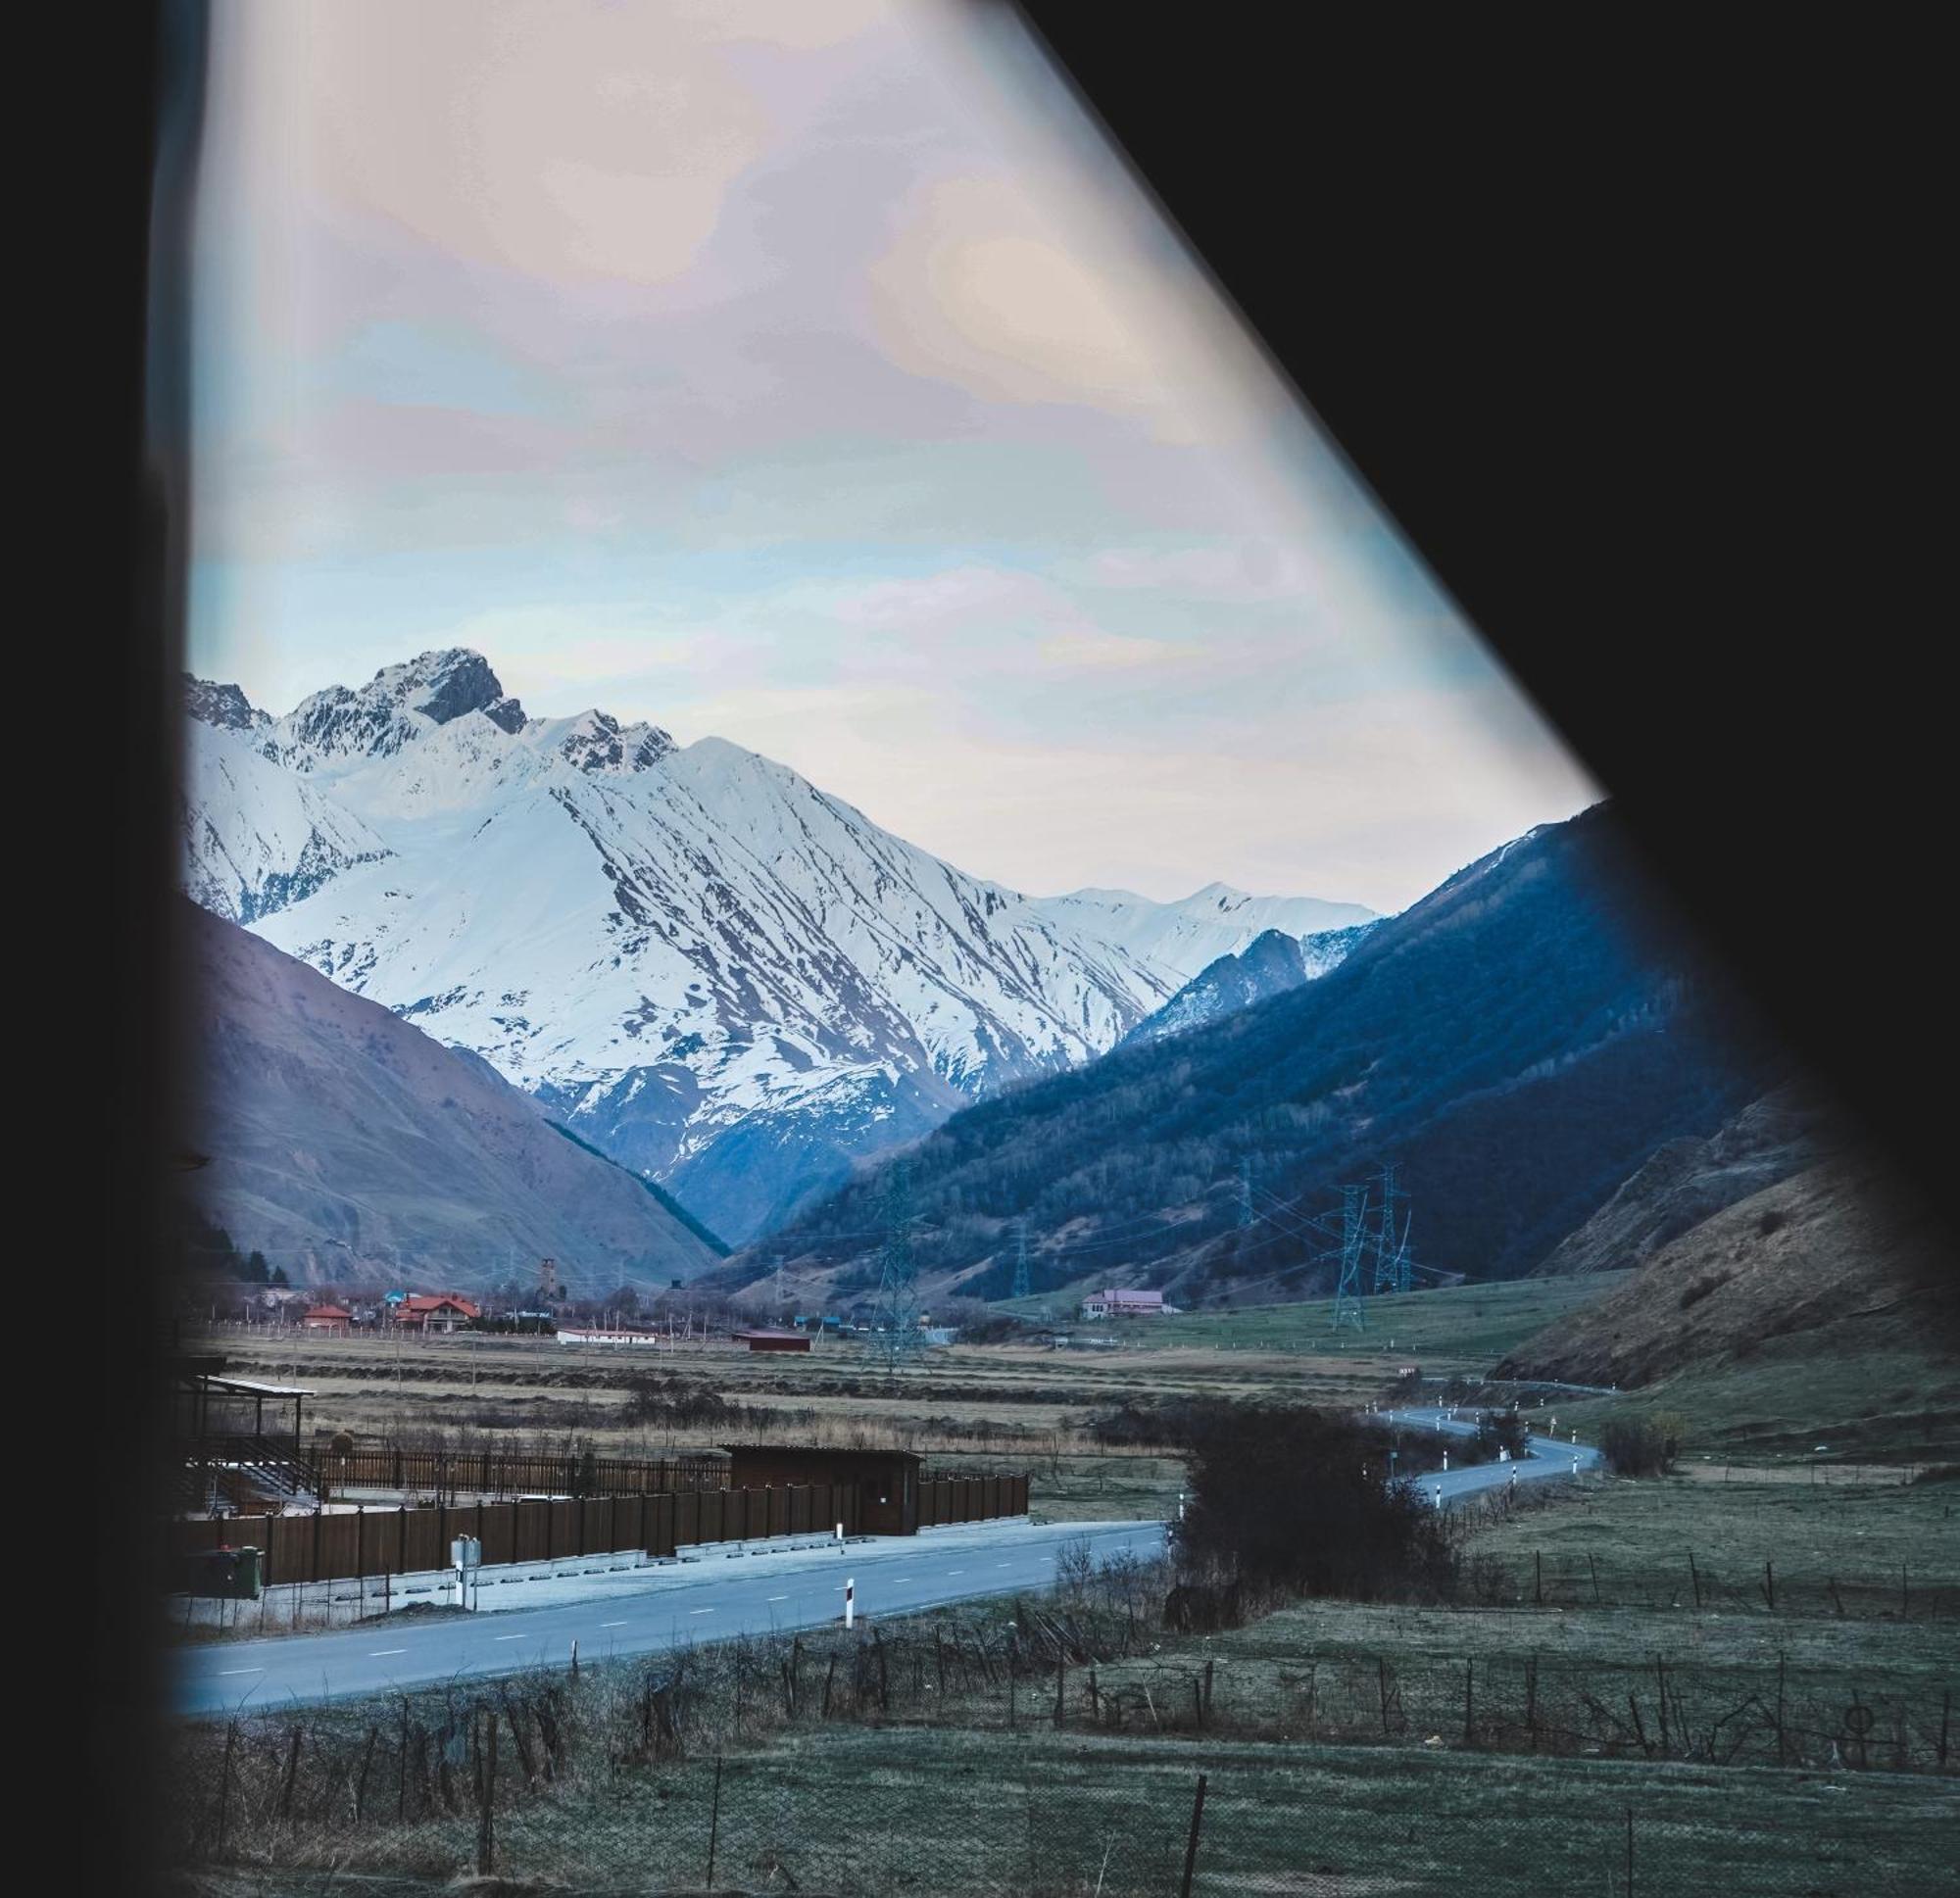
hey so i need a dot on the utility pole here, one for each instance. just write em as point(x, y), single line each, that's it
point(1245, 1196)
point(897, 1287)
point(1022, 1285)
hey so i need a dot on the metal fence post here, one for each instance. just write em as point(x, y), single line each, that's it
point(714, 1820)
point(1191, 1844)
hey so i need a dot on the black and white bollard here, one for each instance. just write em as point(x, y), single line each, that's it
point(850, 1600)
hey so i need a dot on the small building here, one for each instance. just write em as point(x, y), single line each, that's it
point(1121, 1303)
point(591, 1335)
point(438, 1312)
point(333, 1321)
point(761, 1340)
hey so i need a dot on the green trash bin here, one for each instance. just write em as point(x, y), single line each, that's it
point(245, 1574)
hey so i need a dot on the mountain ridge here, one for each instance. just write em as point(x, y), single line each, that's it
point(722, 977)
point(346, 1143)
point(1517, 1043)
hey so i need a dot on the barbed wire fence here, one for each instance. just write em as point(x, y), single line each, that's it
point(1054, 1746)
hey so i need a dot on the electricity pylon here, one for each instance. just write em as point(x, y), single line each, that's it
point(897, 1287)
point(1347, 1290)
point(1390, 1245)
point(1022, 1285)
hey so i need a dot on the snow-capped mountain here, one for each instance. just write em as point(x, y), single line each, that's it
point(257, 837)
point(1174, 941)
point(1269, 965)
point(718, 974)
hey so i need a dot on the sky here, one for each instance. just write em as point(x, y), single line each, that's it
point(810, 374)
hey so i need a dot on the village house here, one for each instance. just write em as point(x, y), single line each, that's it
point(332, 1321)
point(1115, 1303)
point(441, 1311)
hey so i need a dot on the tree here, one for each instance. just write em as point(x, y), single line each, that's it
point(1642, 1446)
point(279, 1276)
point(1501, 1430)
point(1294, 1498)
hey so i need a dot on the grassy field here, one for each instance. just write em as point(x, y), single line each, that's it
point(970, 1399)
point(1789, 1399)
point(947, 1814)
point(1458, 1327)
point(1348, 1748)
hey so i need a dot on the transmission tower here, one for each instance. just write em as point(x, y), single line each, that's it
point(898, 1288)
point(1348, 1291)
point(1022, 1286)
point(1245, 1196)
point(1391, 1241)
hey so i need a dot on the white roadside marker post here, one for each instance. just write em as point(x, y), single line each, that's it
point(840, 1538)
point(850, 1600)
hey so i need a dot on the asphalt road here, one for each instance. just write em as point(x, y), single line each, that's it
point(893, 1576)
point(1548, 1458)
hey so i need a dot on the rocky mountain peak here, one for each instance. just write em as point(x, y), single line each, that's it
point(223, 706)
point(597, 742)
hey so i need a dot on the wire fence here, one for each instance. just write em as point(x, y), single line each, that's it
point(1054, 1745)
point(1046, 1819)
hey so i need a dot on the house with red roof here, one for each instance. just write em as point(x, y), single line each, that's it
point(441, 1311)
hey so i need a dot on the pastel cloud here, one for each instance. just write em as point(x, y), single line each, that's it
point(806, 372)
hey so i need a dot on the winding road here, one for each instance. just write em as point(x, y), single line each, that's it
point(1546, 1459)
point(893, 1575)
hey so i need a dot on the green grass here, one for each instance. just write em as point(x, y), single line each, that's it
point(1448, 1328)
point(1863, 1404)
point(1639, 1537)
point(949, 1814)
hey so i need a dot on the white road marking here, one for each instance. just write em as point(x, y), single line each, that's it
point(700, 1610)
point(956, 1571)
point(779, 1597)
point(374, 1653)
point(241, 1670)
point(506, 1638)
point(611, 1624)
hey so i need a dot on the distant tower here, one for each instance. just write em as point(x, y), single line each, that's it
point(1347, 1292)
point(1022, 1286)
point(549, 1295)
point(1390, 1239)
point(1245, 1196)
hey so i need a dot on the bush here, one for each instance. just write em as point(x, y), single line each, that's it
point(1642, 1446)
point(1293, 1499)
point(1501, 1430)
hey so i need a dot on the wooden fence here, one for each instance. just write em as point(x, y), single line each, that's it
point(503, 1472)
point(970, 1499)
point(339, 1545)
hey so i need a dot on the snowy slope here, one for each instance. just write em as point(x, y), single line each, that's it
point(1175, 941)
point(256, 838)
point(1271, 964)
point(715, 972)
